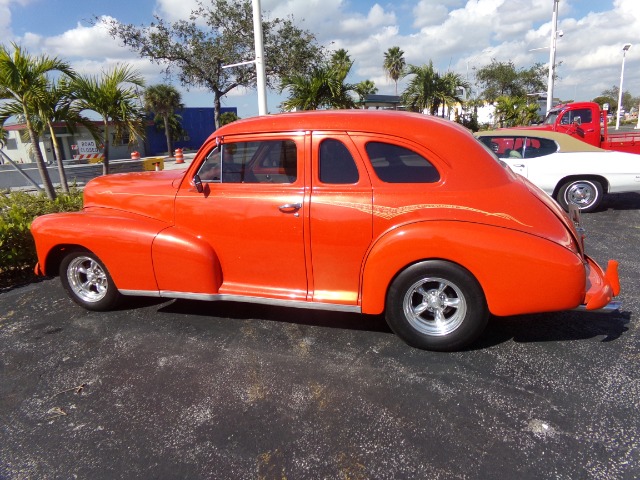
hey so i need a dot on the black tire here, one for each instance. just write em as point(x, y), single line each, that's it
point(87, 281)
point(436, 305)
point(585, 194)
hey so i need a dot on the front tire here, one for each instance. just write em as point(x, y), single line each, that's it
point(436, 305)
point(585, 194)
point(87, 281)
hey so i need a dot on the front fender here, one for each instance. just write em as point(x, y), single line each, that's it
point(519, 272)
point(142, 255)
point(121, 240)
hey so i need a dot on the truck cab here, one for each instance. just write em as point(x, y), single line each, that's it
point(580, 119)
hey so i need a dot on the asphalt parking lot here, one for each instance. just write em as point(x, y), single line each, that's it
point(185, 389)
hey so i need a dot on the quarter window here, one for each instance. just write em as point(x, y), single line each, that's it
point(395, 164)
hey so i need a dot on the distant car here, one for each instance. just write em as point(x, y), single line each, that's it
point(356, 211)
point(571, 171)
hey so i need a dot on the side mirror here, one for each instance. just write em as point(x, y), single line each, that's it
point(198, 183)
point(577, 120)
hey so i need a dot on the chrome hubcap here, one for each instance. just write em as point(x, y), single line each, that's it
point(87, 279)
point(581, 194)
point(434, 306)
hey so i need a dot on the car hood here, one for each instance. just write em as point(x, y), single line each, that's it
point(150, 194)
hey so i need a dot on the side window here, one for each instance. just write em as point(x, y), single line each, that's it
point(539, 147)
point(337, 166)
point(584, 114)
point(395, 164)
point(269, 161)
point(505, 147)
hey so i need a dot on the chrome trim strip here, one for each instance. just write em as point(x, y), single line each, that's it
point(612, 306)
point(240, 298)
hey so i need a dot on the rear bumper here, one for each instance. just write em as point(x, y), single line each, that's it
point(602, 286)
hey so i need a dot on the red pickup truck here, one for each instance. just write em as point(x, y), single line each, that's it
point(586, 121)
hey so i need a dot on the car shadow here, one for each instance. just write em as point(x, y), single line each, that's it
point(554, 327)
point(547, 327)
point(620, 201)
point(300, 316)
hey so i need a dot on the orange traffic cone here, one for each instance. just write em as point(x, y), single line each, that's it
point(179, 156)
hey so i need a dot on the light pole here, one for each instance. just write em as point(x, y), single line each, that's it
point(626, 47)
point(552, 54)
point(260, 74)
point(261, 79)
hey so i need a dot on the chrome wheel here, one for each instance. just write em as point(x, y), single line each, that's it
point(434, 306)
point(437, 305)
point(87, 279)
point(585, 194)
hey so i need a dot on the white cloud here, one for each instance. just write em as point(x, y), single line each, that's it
point(173, 10)
point(5, 17)
point(454, 34)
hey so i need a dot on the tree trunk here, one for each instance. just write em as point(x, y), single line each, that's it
point(167, 132)
point(61, 173)
point(42, 168)
point(216, 109)
point(105, 162)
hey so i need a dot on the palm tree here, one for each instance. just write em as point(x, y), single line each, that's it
point(324, 87)
point(163, 100)
point(450, 83)
point(57, 106)
point(394, 64)
point(364, 88)
point(114, 97)
point(422, 92)
point(23, 82)
point(514, 111)
point(341, 62)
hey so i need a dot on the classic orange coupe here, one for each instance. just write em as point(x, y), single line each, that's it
point(358, 211)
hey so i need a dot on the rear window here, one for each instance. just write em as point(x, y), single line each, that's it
point(396, 164)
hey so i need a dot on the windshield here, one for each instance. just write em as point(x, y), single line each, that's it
point(551, 117)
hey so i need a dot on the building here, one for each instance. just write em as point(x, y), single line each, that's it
point(197, 122)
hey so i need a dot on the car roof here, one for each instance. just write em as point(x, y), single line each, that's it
point(566, 142)
point(373, 121)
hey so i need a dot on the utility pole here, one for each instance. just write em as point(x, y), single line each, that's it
point(552, 54)
point(261, 81)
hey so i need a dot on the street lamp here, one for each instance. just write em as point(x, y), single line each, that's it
point(626, 47)
point(552, 54)
point(261, 82)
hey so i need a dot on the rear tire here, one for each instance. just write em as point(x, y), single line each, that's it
point(585, 194)
point(436, 305)
point(87, 281)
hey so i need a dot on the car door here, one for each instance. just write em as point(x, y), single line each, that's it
point(251, 212)
point(581, 123)
point(340, 218)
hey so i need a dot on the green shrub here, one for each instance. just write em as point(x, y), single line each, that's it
point(17, 211)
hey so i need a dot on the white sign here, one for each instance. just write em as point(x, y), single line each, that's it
point(87, 146)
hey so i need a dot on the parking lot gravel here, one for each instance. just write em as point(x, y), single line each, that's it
point(185, 389)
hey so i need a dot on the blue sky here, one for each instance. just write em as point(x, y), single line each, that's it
point(455, 34)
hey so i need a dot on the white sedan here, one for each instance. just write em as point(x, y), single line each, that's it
point(569, 170)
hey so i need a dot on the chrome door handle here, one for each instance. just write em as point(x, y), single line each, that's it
point(519, 165)
point(290, 207)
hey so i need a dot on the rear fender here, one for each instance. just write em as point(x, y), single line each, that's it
point(518, 272)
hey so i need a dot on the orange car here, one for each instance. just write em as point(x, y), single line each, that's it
point(358, 211)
